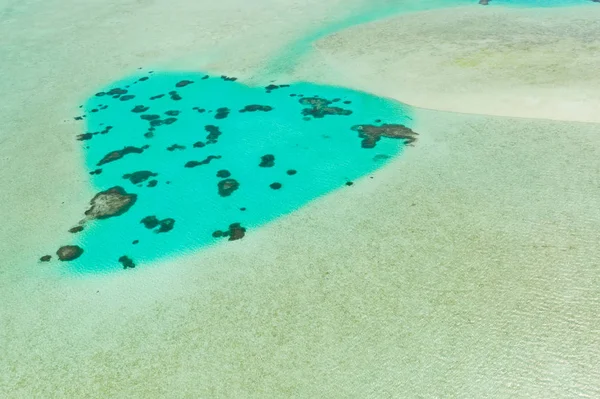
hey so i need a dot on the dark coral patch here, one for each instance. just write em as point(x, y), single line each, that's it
point(183, 83)
point(371, 134)
point(234, 232)
point(223, 173)
point(152, 183)
point(150, 117)
point(256, 107)
point(206, 161)
point(118, 154)
point(126, 262)
point(222, 113)
point(96, 172)
point(267, 161)
point(213, 134)
point(227, 187)
point(291, 172)
point(228, 78)
point(138, 109)
point(320, 107)
point(199, 144)
point(127, 97)
point(116, 92)
point(84, 136)
point(156, 97)
point(69, 252)
point(112, 202)
point(175, 147)
point(75, 229)
point(275, 186)
point(150, 222)
point(175, 96)
point(272, 87)
point(135, 242)
point(164, 226)
point(46, 258)
point(139, 176)
point(172, 113)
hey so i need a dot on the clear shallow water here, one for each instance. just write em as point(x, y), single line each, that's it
point(325, 153)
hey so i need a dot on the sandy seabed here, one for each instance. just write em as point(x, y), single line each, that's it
point(467, 267)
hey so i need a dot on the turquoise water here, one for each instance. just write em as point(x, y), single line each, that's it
point(191, 132)
point(325, 154)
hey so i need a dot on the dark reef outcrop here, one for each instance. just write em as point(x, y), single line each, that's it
point(371, 134)
point(69, 252)
point(227, 187)
point(118, 154)
point(113, 202)
point(320, 107)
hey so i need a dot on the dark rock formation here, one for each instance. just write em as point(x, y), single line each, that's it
point(112, 202)
point(227, 187)
point(139, 176)
point(126, 262)
point(184, 83)
point(69, 252)
point(222, 113)
point(320, 107)
point(118, 154)
point(175, 147)
point(256, 107)
point(235, 232)
point(213, 134)
point(164, 226)
point(371, 134)
point(275, 186)
point(206, 161)
point(46, 258)
point(267, 161)
point(76, 229)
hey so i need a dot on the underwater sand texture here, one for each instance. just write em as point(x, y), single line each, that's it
point(465, 268)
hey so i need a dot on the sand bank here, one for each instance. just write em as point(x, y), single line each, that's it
point(537, 63)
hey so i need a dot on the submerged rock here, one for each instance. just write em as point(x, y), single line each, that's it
point(267, 161)
point(46, 258)
point(227, 187)
point(126, 262)
point(235, 232)
point(112, 202)
point(139, 176)
point(76, 229)
point(69, 252)
point(118, 154)
point(320, 108)
point(371, 134)
point(256, 107)
point(164, 226)
point(206, 161)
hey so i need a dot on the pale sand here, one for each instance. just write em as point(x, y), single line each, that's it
point(538, 63)
point(465, 268)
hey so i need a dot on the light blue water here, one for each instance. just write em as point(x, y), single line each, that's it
point(325, 153)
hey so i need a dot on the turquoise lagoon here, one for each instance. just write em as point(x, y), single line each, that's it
point(312, 156)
